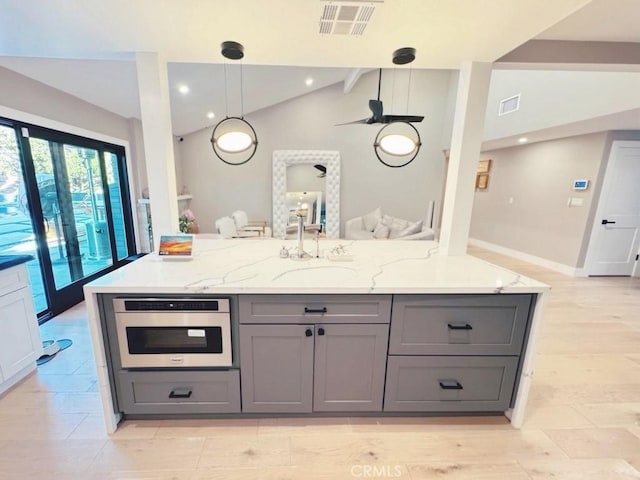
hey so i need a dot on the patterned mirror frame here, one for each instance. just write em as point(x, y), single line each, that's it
point(281, 160)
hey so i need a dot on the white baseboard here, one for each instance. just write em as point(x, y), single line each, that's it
point(542, 262)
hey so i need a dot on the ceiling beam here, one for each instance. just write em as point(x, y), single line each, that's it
point(352, 78)
point(573, 53)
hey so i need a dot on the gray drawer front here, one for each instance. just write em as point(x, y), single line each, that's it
point(458, 324)
point(168, 392)
point(282, 309)
point(449, 384)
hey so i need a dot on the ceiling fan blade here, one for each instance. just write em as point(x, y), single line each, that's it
point(376, 108)
point(401, 118)
point(364, 121)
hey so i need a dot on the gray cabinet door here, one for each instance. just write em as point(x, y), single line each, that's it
point(349, 367)
point(458, 324)
point(449, 384)
point(173, 392)
point(276, 368)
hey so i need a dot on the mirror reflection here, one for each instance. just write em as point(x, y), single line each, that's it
point(310, 204)
point(306, 193)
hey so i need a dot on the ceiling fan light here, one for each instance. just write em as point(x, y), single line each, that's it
point(234, 142)
point(397, 144)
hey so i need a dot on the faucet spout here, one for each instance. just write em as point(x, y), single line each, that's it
point(300, 235)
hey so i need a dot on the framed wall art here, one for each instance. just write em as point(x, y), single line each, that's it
point(482, 181)
point(484, 166)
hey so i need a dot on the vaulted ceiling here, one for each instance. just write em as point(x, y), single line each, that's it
point(87, 47)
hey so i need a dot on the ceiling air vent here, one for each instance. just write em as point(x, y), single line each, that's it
point(348, 17)
point(509, 105)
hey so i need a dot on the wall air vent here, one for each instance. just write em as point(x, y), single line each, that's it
point(346, 17)
point(509, 105)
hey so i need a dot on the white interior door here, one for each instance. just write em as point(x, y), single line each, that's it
point(616, 234)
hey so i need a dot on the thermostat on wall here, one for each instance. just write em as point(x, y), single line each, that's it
point(580, 184)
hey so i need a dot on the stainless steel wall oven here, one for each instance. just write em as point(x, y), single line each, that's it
point(173, 332)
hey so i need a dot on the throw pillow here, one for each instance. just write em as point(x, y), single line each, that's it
point(396, 225)
point(381, 231)
point(411, 228)
point(372, 219)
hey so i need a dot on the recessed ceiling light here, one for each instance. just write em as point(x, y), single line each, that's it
point(523, 140)
point(308, 82)
point(210, 115)
point(183, 89)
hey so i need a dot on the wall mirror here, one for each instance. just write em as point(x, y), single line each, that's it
point(296, 169)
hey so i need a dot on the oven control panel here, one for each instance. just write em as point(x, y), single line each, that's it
point(170, 305)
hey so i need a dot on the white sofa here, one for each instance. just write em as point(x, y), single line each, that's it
point(376, 225)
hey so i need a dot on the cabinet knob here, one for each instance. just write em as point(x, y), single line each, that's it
point(308, 332)
point(321, 331)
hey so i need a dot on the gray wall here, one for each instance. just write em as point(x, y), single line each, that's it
point(29, 96)
point(32, 97)
point(307, 122)
point(538, 177)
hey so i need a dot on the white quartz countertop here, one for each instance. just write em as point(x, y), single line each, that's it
point(254, 266)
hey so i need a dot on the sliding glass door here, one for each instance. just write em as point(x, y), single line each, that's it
point(73, 193)
point(16, 229)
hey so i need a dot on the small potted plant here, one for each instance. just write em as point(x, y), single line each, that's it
point(187, 222)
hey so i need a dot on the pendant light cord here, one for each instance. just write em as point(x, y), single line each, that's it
point(241, 93)
point(393, 91)
point(409, 89)
point(226, 94)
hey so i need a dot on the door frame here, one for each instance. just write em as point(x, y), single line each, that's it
point(60, 299)
point(606, 186)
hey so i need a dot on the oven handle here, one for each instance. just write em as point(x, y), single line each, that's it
point(181, 393)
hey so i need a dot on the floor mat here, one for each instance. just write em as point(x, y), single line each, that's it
point(51, 348)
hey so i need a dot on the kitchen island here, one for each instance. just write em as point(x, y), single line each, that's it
point(396, 313)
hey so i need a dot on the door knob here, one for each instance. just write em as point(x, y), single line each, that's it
point(605, 222)
point(308, 332)
point(321, 331)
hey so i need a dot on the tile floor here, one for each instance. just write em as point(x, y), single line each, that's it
point(583, 420)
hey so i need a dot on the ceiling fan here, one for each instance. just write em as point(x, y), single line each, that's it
point(323, 170)
point(378, 116)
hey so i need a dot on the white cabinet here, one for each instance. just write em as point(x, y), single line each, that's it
point(20, 343)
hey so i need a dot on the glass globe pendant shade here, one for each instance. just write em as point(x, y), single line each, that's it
point(397, 144)
point(234, 142)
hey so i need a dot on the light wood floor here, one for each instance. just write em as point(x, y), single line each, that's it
point(583, 420)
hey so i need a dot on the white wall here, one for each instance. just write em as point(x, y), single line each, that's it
point(307, 122)
point(558, 97)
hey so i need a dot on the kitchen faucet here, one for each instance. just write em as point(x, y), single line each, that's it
point(301, 254)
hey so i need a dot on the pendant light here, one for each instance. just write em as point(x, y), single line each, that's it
point(398, 143)
point(234, 140)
